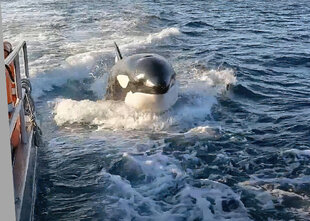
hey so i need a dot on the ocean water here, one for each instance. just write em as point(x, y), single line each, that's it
point(234, 147)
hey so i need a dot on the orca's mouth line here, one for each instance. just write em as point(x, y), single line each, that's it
point(139, 86)
point(142, 88)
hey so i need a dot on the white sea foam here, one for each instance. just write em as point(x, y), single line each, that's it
point(268, 192)
point(110, 114)
point(162, 34)
point(65, 48)
point(194, 105)
point(44, 82)
point(137, 41)
point(99, 86)
point(163, 176)
point(298, 152)
point(202, 132)
point(79, 66)
point(212, 81)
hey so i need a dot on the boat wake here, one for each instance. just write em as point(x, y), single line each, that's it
point(192, 108)
point(82, 65)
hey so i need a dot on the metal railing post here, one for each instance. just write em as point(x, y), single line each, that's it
point(26, 60)
point(20, 98)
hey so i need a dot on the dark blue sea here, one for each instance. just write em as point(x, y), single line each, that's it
point(235, 146)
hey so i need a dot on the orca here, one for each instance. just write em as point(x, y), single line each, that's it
point(144, 81)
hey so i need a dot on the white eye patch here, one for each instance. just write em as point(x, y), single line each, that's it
point(140, 76)
point(123, 80)
point(149, 83)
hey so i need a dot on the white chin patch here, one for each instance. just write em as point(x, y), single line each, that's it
point(153, 102)
point(123, 80)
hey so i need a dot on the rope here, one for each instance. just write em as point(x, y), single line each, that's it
point(30, 111)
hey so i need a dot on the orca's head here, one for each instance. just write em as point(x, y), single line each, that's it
point(147, 73)
point(153, 74)
point(146, 82)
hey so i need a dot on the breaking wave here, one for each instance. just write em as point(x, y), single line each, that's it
point(194, 105)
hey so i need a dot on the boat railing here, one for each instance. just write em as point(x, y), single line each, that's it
point(20, 93)
point(23, 156)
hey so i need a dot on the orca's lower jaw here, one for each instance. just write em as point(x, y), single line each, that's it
point(142, 88)
point(153, 102)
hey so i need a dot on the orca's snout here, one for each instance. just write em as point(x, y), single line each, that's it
point(153, 85)
point(162, 85)
point(156, 74)
point(161, 89)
